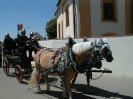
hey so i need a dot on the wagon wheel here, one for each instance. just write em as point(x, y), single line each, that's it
point(18, 73)
point(5, 66)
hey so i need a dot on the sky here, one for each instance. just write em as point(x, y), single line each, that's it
point(33, 14)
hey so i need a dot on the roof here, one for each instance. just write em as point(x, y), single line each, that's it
point(58, 3)
point(39, 36)
point(57, 6)
point(56, 12)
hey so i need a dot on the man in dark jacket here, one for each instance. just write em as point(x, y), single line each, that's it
point(22, 43)
point(16, 40)
point(33, 38)
point(34, 42)
point(9, 44)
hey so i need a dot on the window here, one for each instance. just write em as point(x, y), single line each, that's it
point(67, 16)
point(109, 10)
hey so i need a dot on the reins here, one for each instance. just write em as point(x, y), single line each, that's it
point(98, 76)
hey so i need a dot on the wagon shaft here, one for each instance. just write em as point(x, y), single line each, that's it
point(103, 71)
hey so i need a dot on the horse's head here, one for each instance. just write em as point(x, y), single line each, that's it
point(86, 53)
point(105, 50)
point(96, 59)
point(96, 50)
point(94, 55)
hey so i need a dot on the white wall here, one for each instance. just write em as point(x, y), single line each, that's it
point(59, 19)
point(122, 48)
point(98, 27)
point(122, 51)
point(68, 31)
point(77, 18)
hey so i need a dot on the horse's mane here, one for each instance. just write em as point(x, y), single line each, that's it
point(82, 47)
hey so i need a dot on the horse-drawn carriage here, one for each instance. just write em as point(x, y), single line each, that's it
point(57, 61)
point(20, 62)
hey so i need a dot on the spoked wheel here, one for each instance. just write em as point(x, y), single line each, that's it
point(5, 66)
point(18, 73)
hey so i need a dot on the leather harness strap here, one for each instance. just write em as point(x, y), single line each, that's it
point(41, 53)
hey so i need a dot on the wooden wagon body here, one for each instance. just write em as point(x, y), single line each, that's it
point(19, 63)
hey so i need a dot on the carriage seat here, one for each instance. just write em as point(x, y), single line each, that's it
point(12, 57)
point(17, 52)
point(7, 52)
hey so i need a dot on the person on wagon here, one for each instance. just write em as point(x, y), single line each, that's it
point(16, 39)
point(22, 43)
point(9, 44)
point(34, 41)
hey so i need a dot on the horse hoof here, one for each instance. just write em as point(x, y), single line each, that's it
point(48, 92)
point(38, 92)
point(91, 93)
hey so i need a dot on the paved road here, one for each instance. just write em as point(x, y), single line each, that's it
point(107, 87)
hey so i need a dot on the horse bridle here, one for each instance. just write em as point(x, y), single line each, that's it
point(108, 52)
point(92, 57)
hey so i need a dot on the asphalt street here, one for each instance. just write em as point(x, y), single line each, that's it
point(107, 87)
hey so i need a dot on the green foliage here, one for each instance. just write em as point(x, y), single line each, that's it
point(51, 28)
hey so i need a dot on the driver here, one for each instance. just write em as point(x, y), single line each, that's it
point(34, 42)
point(22, 43)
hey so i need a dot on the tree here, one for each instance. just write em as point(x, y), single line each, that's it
point(51, 28)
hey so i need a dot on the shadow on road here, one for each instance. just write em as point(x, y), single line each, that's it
point(80, 91)
point(100, 92)
point(58, 95)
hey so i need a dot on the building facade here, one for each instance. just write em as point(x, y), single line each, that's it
point(89, 18)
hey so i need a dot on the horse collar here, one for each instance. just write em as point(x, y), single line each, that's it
point(41, 54)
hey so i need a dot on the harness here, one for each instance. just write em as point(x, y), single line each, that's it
point(71, 59)
point(62, 62)
point(40, 54)
point(88, 62)
point(60, 66)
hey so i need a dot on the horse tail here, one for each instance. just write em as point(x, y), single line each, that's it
point(34, 77)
